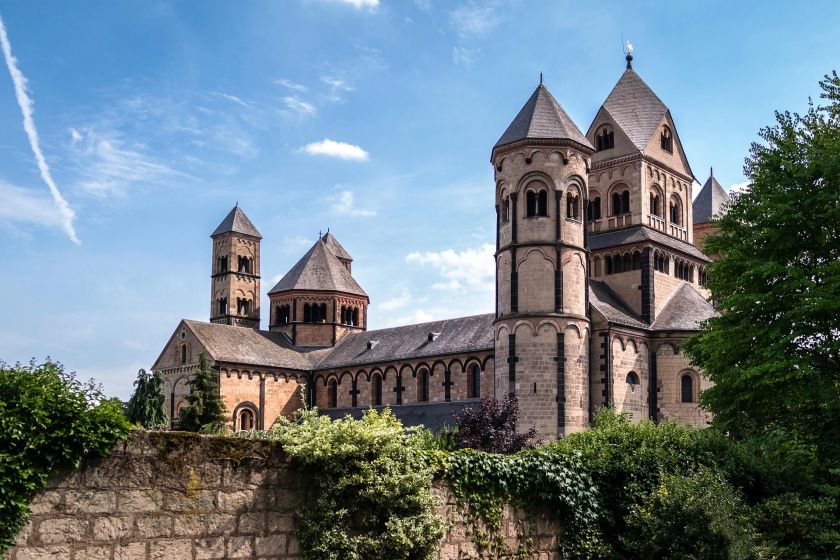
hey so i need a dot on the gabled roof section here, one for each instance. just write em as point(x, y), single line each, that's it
point(319, 270)
point(464, 334)
point(237, 222)
point(710, 202)
point(638, 234)
point(542, 118)
point(336, 247)
point(686, 309)
point(608, 304)
point(635, 108)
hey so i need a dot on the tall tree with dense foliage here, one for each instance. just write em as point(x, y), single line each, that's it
point(147, 406)
point(774, 351)
point(205, 411)
point(49, 422)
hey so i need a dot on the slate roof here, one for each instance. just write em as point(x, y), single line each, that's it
point(635, 108)
point(710, 202)
point(319, 269)
point(639, 234)
point(542, 117)
point(608, 304)
point(686, 309)
point(227, 343)
point(336, 247)
point(236, 221)
point(433, 416)
point(464, 334)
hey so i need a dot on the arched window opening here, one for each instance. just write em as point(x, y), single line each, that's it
point(617, 264)
point(616, 204)
point(376, 390)
point(542, 203)
point(666, 141)
point(593, 209)
point(625, 202)
point(243, 306)
point(282, 314)
point(183, 353)
point(626, 262)
point(307, 313)
point(572, 205)
point(675, 214)
point(222, 306)
point(620, 202)
point(655, 205)
point(244, 265)
point(354, 317)
point(701, 276)
point(322, 313)
point(605, 139)
point(632, 380)
point(474, 382)
point(332, 394)
point(530, 204)
point(608, 265)
point(423, 386)
point(637, 260)
point(597, 266)
point(246, 420)
point(687, 388)
point(536, 202)
point(223, 264)
point(506, 209)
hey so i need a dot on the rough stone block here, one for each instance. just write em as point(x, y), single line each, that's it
point(111, 528)
point(61, 552)
point(153, 526)
point(130, 551)
point(208, 549)
point(93, 553)
point(239, 547)
point(236, 500)
point(49, 501)
point(131, 501)
point(61, 530)
point(273, 545)
point(169, 549)
point(91, 501)
point(251, 524)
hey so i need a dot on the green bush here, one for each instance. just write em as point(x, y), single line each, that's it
point(800, 527)
point(373, 497)
point(49, 422)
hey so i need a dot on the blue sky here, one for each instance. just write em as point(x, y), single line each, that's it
point(155, 118)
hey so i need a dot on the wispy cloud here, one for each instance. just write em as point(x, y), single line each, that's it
point(338, 86)
point(109, 167)
point(472, 269)
point(294, 86)
point(463, 55)
point(404, 299)
point(344, 204)
point(22, 205)
point(473, 21)
point(358, 4)
point(340, 150)
point(66, 213)
point(233, 99)
point(297, 106)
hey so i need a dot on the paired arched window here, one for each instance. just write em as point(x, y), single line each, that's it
point(246, 420)
point(474, 382)
point(376, 389)
point(223, 264)
point(656, 204)
point(593, 209)
point(701, 276)
point(183, 353)
point(624, 262)
point(350, 316)
point(506, 209)
point(620, 202)
point(536, 200)
point(221, 306)
point(675, 215)
point(243, 306)
point(661, 262)
point(632, 380)
point(314, 313)
point(573, 204)
point(282, 314)
point(332, 393)
point(245, 265)
point(423, 386)
point(683, 270)
point(666, 140)
point(687, 388)
point(605, 138)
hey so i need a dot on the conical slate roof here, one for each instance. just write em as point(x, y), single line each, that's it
point(710, 201)
point(320, 270)
point(543, 118)
point(336, 247)
point(237, 222)
point(635, 108)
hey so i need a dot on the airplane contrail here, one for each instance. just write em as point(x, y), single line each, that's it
point(26, 108)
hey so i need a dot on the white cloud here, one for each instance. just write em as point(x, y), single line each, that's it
point(474, 20)
point(340, 150)
point(469, 270)
point(419, 316)
point(344, 204)
point(294, 86)
point(27, 206)
point(463, 55)
point(738, 188)
point(404, 299)
point(26, 107)
point(75, 136)
point(338, 85)
point(298, 106)
point(359, 4)
point(109, 167)
point(232, 98)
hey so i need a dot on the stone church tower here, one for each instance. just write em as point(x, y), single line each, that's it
point(235, 276)
point(541, 327)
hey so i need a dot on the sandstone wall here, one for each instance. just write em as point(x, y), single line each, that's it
point(182, 496)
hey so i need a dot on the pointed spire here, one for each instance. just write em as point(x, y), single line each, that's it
point(236, 222)
point(710, 202)
point(542, 118)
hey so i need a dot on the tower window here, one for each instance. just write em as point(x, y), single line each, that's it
point(243, 306)
point(655, 204)
point(506, 210)
point(593, 209)
point(183, 353)
point(244, 265)
point(572, 205)
point(676, 210)
point(687, 388)
point(536, 203)
point(223, 264)
point(281, 314)
point(423, 386)
point(666, 141)
point(222, 306)
point(620, 202)
point(604, 139)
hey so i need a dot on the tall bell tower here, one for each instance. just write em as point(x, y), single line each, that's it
point(541, 327)
point(235, 272)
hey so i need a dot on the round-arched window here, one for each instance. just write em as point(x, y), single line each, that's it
point(632, 380)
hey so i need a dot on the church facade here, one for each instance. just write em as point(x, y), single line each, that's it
point(598, 284)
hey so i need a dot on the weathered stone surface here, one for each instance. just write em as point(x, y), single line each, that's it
point(170, 549)
point(130, 551)
point(210, 549)
point(61, 530)
point(110, 528)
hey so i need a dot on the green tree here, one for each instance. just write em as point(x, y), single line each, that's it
point(205, 411)
point(774, 351)
point(146, 407)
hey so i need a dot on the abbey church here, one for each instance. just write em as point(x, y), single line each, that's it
point(600, 276)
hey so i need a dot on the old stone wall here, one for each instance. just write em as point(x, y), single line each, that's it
point(180, 496)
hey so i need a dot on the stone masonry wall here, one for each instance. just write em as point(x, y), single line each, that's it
point(180, 496)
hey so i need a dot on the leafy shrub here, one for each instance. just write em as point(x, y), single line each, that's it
point(205, 411)
point(146, 407)
point(694, 516)
point(49, 422)
point(374, 495)
point(492, 427)
point(801, 527)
